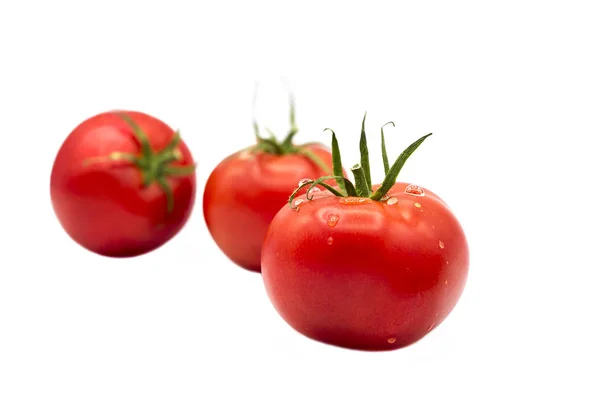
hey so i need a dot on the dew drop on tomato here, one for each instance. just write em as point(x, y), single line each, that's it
point(330, 240)
point(392, 200)
point(332, 220)
point(414, 190)
point(297, 203)
point(304, 181)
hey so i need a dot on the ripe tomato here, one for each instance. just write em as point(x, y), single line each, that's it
point(371, 267)
point(245, 191)
point(123, 183)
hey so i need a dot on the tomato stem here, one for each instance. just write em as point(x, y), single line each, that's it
point(392, 175)
point(271, 145)
point(361, 172)
point(312, 184)
point(360, 178)
point(336, 160)
point(364, 157)
point(287, 142)
point(155, 167)
point(386, 164)
point(313, 157)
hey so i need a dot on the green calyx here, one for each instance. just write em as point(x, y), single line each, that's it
point(155, 167)
point(271, 145)
point(362, 186)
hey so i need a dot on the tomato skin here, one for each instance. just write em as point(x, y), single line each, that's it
point(366, 275)
point(245, 191)
point(102, 205)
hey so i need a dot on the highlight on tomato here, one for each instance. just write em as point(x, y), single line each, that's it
point(361, 265)
point(123, 183)
point(245, 190)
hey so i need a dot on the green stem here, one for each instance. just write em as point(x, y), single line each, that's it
point(360, 179)
point(141, 137)
point(386, 164)
point(313, 157)
point(310, 182)
point(321, 182)
point(337, 162)
point(287, 142)
point(351, 191)
point(392, 175)
point(164, 185)
point(362, 186)
point(154, 167)
point(364, 154)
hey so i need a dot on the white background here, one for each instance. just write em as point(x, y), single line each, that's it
point(511, 91)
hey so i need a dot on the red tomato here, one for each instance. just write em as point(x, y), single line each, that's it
point(245, 191)
point(123, 184)
point(364, 272)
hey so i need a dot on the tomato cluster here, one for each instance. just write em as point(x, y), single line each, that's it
point(349, 263)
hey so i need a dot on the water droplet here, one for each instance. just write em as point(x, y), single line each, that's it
point(447, 262)
point(332, 220)
point(442, 245)
point(314, 189)
point(297, 203)
point(414, 190)
point(392, 200)
point(431, 327)
point(446, 281)
point(304, 181)
point(330, 240)
point(418, 205)
point(385, 197)
point(391, 340)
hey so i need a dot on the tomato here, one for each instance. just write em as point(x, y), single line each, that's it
point(123, 183)
point(245, 191)
point(370, 267)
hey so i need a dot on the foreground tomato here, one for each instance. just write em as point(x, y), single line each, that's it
point(371, 267)
point(123, 183)
point(245, 191)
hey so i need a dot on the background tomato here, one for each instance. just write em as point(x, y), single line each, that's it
point(374, 267)
point(246, 190)
point(123, 183)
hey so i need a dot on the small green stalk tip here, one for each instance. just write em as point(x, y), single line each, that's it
point(287, 142)
point(364, 154)
point(337, 162)
point(360, 179)
point(386, 164)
